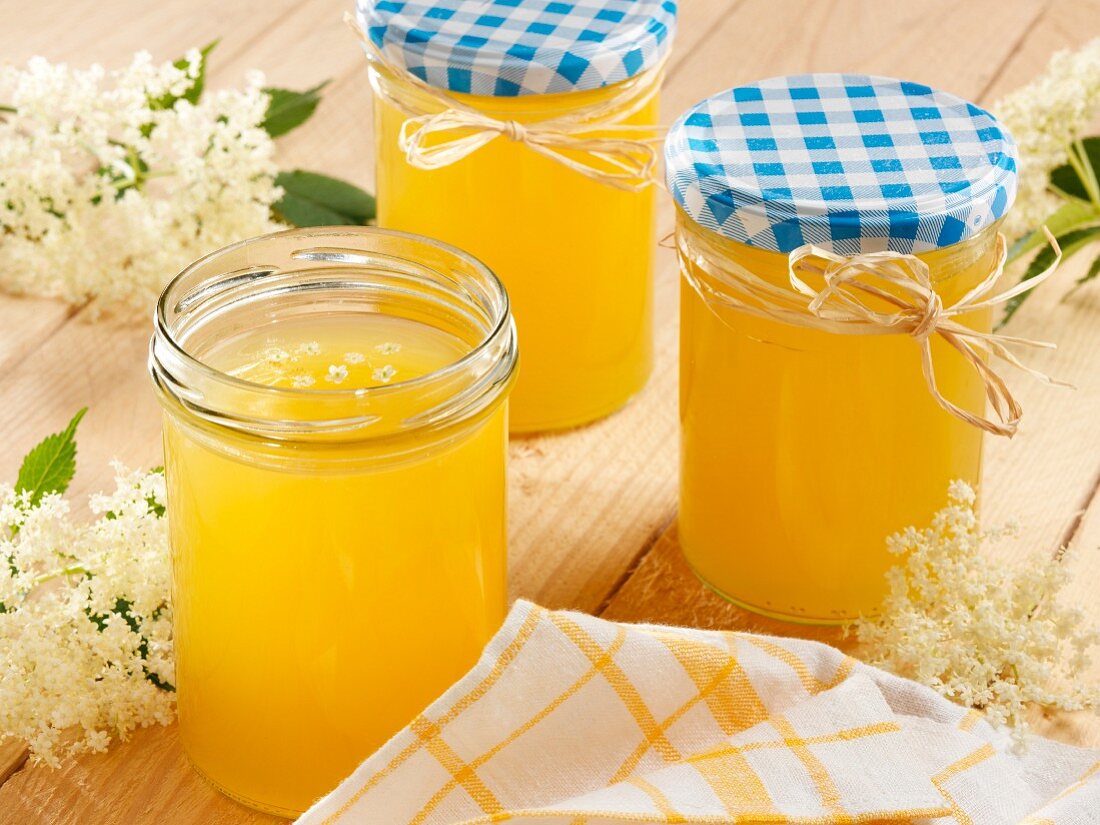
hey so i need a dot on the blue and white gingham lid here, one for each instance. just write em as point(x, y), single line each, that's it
point(505, 48)
point(851, 163)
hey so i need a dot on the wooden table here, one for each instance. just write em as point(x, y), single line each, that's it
point(592, 511)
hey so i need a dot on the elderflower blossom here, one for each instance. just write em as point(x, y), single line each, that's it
point(107, 193)
point(979, 633)
point(1045, 117)
point(85, 629)
point(301, 382)
point(384, 375)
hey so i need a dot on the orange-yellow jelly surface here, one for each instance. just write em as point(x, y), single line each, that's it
point(575, 254)
point(803, 450)
point(322, 600)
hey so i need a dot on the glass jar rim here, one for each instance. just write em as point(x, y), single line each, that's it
point(182, 375)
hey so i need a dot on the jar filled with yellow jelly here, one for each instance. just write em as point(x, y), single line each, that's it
point(335, 427)
point(524, 132)
point(810, 208)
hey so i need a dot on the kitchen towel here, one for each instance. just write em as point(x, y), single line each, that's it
point(572, 720)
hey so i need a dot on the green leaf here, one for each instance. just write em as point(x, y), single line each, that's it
point(50, 466)
point(1070, 243)
point(1071, 215)
point(139, 169)
point(1093, 271)
point(288, 110)
point(193, 93)
point(312, 199)
point(1065, 178)
point(1066, 182)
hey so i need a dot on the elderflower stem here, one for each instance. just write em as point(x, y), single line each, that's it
point(57, 574)
point(1078, 159)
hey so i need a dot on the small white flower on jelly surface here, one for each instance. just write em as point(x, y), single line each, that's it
point(310, 348)
point(336, 373)
point(384, 374)
point(388, 348)
point(303, 381)
point(276, 355)
point(354, 357)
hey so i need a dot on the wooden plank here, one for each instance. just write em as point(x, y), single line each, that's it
point(1047, 475)
point(145, 780)
point(1076, 511)
point(110, 33)
point(25, 325)
point(13, 755)
point(1081, 728)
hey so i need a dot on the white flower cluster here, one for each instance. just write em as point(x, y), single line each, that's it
point(85, 627)
point(981, 634)
point(112, 182)
point(1045, 117)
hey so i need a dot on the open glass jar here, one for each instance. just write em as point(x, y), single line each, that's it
point(335, 427)
point(812, 429)
point(575, 249)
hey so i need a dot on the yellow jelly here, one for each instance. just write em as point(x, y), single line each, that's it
point(576, 253)
point(802, 450)
point(335, 440)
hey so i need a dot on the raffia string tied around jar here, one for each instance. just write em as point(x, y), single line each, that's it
point(591, 140)
point(845, 304)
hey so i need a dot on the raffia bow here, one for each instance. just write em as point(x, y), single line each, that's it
point(626, 154)
point(904, 283)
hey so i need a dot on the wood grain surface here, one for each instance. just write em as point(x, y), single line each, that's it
point(592, 511)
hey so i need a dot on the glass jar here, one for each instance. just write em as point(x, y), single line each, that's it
point(335, 427)
point(576, 253)
point(812, 431)
point(802, 450)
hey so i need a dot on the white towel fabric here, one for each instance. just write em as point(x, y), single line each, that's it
point(569, 719)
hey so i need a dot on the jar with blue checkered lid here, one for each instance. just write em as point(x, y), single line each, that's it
point(839, 248)
point(525, 132)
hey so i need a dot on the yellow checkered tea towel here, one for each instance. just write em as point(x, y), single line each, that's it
point(568, 719)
